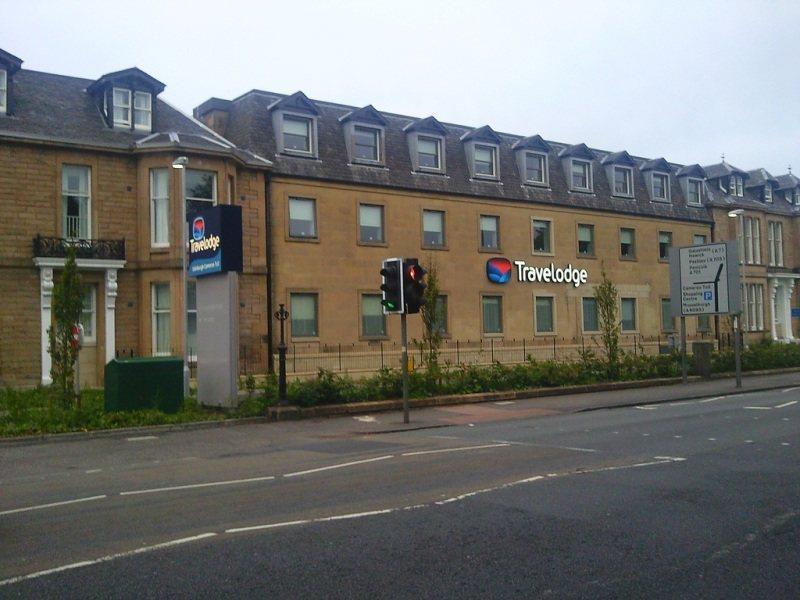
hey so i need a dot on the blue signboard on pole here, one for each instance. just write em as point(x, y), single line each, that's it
point(215, 240)
point(796, 313)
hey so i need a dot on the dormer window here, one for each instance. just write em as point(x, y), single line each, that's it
point(623, 181)
point(122, 107)
point(142, 111)
point(485, 161)
point(736, 187)
point(535, 168)
point(3, 91)
point(694, 191)
point(660, 186)
point(366, 142)
point(429, 152)
point(768, 193)
point(297, 134)
point(581, 175)
point(797, 197)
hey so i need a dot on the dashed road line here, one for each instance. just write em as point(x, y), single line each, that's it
point(339, 466)
point(757, 407)
point(190, 486)
point(52, 504)
point(791, 389)
point(785, 404)
point(141, 438)
point(714, 399)
point(461, 449)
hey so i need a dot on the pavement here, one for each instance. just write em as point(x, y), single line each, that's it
point(549, 497)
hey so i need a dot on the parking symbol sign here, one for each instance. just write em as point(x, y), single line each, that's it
point(707, 295)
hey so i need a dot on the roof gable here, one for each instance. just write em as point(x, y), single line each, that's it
point(759, 178)
point(533, 142)
point(297, 102)
point(787, 181)
point(577, 151)
point(133, 77)
point(426, 125)
point(691, 171)
point(657, 164)
point(481, 134)
point(367, 114)
point(723, 169)
point(10, 62)
point(619, 158)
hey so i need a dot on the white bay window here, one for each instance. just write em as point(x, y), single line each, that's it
point(159, 208)
point(122, 107)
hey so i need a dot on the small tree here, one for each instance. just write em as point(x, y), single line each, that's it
point(606, 297)
point(67, 305)
point(431, 325)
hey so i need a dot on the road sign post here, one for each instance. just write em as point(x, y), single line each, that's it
point(404, 366)
point(705, 280)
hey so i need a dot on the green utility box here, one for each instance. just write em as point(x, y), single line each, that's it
point(141, 383)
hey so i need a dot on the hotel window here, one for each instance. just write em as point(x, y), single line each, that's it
point(775, 244)
point(366, 143)
point(754, 302)
point(490, 232)
point(752, 240)
point(142, 111)
point(545, 322)
point(373, 321)
point(429, 153)
point(302, 218)
point(159, 208)
point(627, 243)
point(440, 315)
point(201, 189)
point(297, 134)
point(160, 319)
point(122, 107)
point(667, 322)
point(485, 159)
point(535, 168)
point(585, 240)
point(664, 242)
point(581, 175)
point(3, 91)
point(660, 186)
point(191, 319)
point(89, 314)
point(628, 311)
point(492, 307)
point(433, 228)
point(591, 322)
point(370, 223)
point(768, 193)
point(623, 181)
point(699, 239)
point(797, 197)
point(695, 191)
point(736, 186)
point(303, 315)
point(76, 201)
point(542, 236)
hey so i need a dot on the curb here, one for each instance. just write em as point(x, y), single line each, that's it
point(295, 413)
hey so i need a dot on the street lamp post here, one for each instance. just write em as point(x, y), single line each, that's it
point(737, 319)
point(180, 164)
point(282, 314)
point(744, 320)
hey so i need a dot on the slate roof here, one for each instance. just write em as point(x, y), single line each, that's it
point(58, 108)
point(753, 198)
point(759, 178)
point(250, 126)
point(723, 169)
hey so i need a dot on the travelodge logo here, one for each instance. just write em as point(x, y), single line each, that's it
point(199, 228)
point(498, 270)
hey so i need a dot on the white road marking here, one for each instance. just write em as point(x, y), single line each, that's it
point(672, 458)
point(196, 485)
point(366, 419)
point(645, 435)
point(141, 438)
point(757, 408)
point(712, 439)
point(646, 407)
point(711, 399)
point(268, 526)
point(445, 437)
point(369, 513)
point(51, 505)
point(677, 437)
point(92, 471)
point(110, 557)
point(790, 390)
point(784, 443)
point(339, 466)
point(461, 449)
point(748, 441)
point(785, 404)
point(505, 402)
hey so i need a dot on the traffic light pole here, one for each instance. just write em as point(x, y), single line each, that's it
point(404, 366)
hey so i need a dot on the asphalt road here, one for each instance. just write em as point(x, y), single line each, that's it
point(684, 499)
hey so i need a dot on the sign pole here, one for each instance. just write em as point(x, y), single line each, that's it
point(684, 365)
point(737, 348)
point(404, 365)
point(282, 314)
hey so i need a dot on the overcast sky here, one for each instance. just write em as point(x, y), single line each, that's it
point(683, 80)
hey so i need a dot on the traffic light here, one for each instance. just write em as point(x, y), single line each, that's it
point(413, 285)
point(392, 286)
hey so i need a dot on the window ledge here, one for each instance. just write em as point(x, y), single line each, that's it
point(372, 165)
point(586, 256)
point(487, 179)
point(537, 184)
point(661, 201)
point(497, 250)
point(435, 172)
point(623, 197)
point(373, 338)
point(581, 191)
point(434, 247)
point(628, 258)
point(372, 244)
point(303, 240)
point(305, 155)
point(550, 254)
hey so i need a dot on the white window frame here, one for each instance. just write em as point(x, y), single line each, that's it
point(147, 111)
point(311, 134)
point(739, 186)
point(628, 179)
point(768, 194)
point(591, 228)
point(153, 318)
point(315, 334)
point(382, 210)
point(669, 234)
point(775, 243)
point(91, 290)
point(212, 201)
point(699, 183)
point(443, 221)
point(3, 91)
point(378, 133)
point(313, 202)
point(545, 175)
point(666, 197)
point(496, 220)
point(88, 197)
point(439, 145)
point(191, 351)
point(129, 106)
point(589, 182)
point(154, 203)
point(703, 239)
point(756, 241)
point(493, 150)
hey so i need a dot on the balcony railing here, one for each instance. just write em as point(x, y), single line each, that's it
point(52, 247)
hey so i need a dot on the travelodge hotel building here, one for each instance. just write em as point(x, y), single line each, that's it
point(327, 192)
